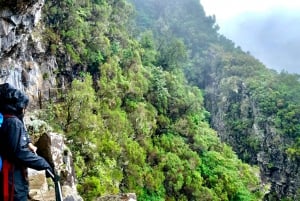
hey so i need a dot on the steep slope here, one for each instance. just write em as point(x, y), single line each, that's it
point(254, 109)
point(257, 115)
point(134, 123)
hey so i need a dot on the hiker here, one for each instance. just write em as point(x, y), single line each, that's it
point(16, 150)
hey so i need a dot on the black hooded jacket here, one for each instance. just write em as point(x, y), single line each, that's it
point(13, 135)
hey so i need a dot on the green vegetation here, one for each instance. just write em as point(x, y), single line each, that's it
point(134, 113)
point(255, 109)
point(132, 147)
point(253, 100)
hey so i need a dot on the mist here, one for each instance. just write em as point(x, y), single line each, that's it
point(272, 37)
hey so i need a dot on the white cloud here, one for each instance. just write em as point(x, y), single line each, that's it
point(226, 9)
point(266, 28)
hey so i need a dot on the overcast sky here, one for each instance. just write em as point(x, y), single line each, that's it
point(268, 29)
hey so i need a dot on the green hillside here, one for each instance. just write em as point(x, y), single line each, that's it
point(141, 111)
point(254, 109)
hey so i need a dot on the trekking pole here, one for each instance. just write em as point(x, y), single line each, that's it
point(58, 193)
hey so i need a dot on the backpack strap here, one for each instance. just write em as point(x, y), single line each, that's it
point(8, 115)
point(7, 190)
point(6, 173)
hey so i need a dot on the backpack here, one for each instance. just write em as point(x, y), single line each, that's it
point(1, 121)
point(3, 89)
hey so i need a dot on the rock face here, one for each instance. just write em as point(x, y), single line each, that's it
point(23, 60)
point(121, 197)
point(51, 146)
point(237, 118)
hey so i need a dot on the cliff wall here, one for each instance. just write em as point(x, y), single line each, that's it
point(240, 122)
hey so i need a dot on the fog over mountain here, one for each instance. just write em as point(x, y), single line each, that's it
point(272, 37)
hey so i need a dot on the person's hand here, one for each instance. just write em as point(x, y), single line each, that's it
point(50, 171)
point(32, 147)
point(50, 174)
point(53, 175)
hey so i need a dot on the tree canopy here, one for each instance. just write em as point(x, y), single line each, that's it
point(135, 111)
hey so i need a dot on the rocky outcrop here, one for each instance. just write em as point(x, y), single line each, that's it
point(51, 146)
point(121, 197)
point(17, 20)
point(236, 117)
point(24, 62)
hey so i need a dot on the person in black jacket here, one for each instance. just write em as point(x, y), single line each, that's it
point(16, 149)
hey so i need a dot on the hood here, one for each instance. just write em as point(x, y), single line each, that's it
point(12, 100)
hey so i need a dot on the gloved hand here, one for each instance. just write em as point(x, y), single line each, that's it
point(50, 173)
point(55, 177)
point(50, 170)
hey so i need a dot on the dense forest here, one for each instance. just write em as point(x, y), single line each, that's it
point(157, 98)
